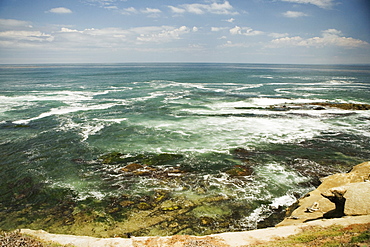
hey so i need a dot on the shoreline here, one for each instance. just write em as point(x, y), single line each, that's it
point(227, 239)
point(332, 189)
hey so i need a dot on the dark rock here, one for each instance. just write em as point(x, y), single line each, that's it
point(143, 206)
point(278, 108)
point(275, 217)
point(170, 205)
point(126, 203)
point(319, 108)
point(132, 167)
point(244, 154)
point(160, 196)
point(206, 221)
point(335, 196)
point(162, 159)
point(142, 173)
point(343, 106)
point(241, 152)
point(240, 170)
point(112, 158)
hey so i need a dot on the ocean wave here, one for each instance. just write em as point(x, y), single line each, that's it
point(86, 127)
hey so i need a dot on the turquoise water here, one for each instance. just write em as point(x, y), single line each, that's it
point(57, 120)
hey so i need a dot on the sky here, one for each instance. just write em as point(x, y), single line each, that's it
point(220, 31)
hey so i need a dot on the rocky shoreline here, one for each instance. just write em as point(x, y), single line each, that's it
point(340, 199)
point(341, 194)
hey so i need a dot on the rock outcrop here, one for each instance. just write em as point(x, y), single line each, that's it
point(342, 194)
point(353, 198)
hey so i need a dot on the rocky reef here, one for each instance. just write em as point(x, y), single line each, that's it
point(312, 106)
point(341, 202)
point(146, 201)
point(320, 106)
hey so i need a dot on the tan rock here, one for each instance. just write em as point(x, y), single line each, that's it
point(303, 213)
point(357, 199)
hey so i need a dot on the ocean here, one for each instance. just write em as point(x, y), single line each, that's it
point(172, 148)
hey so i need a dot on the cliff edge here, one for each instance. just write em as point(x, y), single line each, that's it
point(341, 194)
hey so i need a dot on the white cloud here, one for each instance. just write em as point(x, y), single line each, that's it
point(197, 8)
point(287, 41)
point(26, 36)
point(231, 20)
point(294, 14)
point(116, 37)
point(59, 10)
point(177, 10)
point(320, 3)
point(107, 4)
point(67, 30)
point(278, 35)
point(244, 31)
point(230, 44)
point(105, 32)
point(12, 23)
point(129, 11)
point(161, 34)
point(111, 7)
point(217, 29)
point(330, 37)
point(70, 39)
point(331, 32)
point(151, 11)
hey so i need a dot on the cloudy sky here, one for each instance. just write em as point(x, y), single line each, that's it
point(249, 31)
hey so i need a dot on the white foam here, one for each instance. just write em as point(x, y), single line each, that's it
point(84, 189)
point(222, 133)
point(277, 174)
point(64, 96)
point(285, 200)
point(115, 120)
point(88, 128)
point(251, 221)
point(65, 110)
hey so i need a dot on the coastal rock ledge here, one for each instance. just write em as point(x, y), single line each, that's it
point(341, 199)
point(341, 194)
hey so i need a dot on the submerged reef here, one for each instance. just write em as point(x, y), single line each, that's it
point(311, 106)
point(321, 106)
point(162, 194)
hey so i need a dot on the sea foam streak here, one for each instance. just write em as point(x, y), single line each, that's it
point(65, 110)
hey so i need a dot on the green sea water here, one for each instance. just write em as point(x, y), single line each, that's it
point(222, 146)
